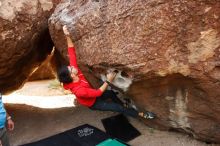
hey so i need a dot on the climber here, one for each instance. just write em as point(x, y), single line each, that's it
point(96, 99)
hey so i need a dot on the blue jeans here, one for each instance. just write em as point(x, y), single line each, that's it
point(109, 101)
point(4, 137)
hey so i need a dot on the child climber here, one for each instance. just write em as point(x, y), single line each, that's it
point(96, 99)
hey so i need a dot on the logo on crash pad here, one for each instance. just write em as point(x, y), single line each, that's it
point(85, 132)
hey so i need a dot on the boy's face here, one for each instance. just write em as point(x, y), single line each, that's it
point(73, 72)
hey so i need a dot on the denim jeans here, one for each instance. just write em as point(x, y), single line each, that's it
point(4, 137)
point(109, 101)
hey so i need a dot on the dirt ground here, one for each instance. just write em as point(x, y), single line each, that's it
point(34, 122)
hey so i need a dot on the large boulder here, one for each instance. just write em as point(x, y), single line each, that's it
point(24, 38)
point(170, 49)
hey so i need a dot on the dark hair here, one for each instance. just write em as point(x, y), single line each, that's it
point(64, 75)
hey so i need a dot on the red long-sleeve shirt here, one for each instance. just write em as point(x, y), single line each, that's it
point(85, 95)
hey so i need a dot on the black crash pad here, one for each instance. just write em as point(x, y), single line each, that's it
point(85, 135)
point(119, 127)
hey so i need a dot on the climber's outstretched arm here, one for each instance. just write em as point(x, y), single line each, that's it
point(69, 42)
point(68, 39)
point(71, 49)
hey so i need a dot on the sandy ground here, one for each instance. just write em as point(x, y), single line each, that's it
point(34, 121)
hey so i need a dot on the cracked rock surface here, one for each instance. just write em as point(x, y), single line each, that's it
point(170, 48)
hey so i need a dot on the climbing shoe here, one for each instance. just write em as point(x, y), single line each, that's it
point(149, 115)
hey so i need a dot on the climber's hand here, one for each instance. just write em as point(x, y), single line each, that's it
point(111, 76)
point(65, 30)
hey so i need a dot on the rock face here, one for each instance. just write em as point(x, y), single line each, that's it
point(24, 38)
point(170, 49)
